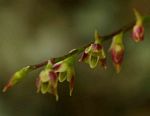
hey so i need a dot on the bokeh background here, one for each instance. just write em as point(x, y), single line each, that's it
point(32, 31)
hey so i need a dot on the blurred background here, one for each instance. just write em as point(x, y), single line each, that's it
point(32, 31)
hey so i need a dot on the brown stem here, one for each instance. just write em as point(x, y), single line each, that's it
point(124, 29)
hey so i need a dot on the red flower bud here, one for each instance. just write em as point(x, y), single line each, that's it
point(138, 29)
point(117, 51)
point(138, 33)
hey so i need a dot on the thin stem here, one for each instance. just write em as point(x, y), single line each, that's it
point(124, 29)
point(74, 52)
point(77, 51)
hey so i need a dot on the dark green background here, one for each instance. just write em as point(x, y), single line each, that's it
point(35, 30)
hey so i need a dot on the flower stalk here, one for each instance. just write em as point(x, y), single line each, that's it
point(61, 68)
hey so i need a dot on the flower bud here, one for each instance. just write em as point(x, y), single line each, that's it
point(117, 51)
point(17, 77)
point(138, 29)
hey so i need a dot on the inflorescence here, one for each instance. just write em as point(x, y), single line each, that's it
point(62, 68)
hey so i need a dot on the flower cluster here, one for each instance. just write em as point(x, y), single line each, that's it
point(93, 54)
point(54, 73)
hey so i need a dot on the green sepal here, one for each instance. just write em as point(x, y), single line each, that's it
point(117, 39)
point(44, 76)
point(70, 74)
point(49, 65)
point(139, 18)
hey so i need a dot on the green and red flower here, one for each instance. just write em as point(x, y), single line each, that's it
point(94, 54)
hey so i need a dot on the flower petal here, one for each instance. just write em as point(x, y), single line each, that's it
point(62, 76)
point(93, 61)
point(45, 87)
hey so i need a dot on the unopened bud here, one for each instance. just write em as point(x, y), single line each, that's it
point(138, 29)
point(17, 77)
point(117, 51)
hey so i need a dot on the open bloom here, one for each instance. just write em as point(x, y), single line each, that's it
point(94, 53)
point(138, 29)
point(117, 51)
point(47, 81)
point(65, 71)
